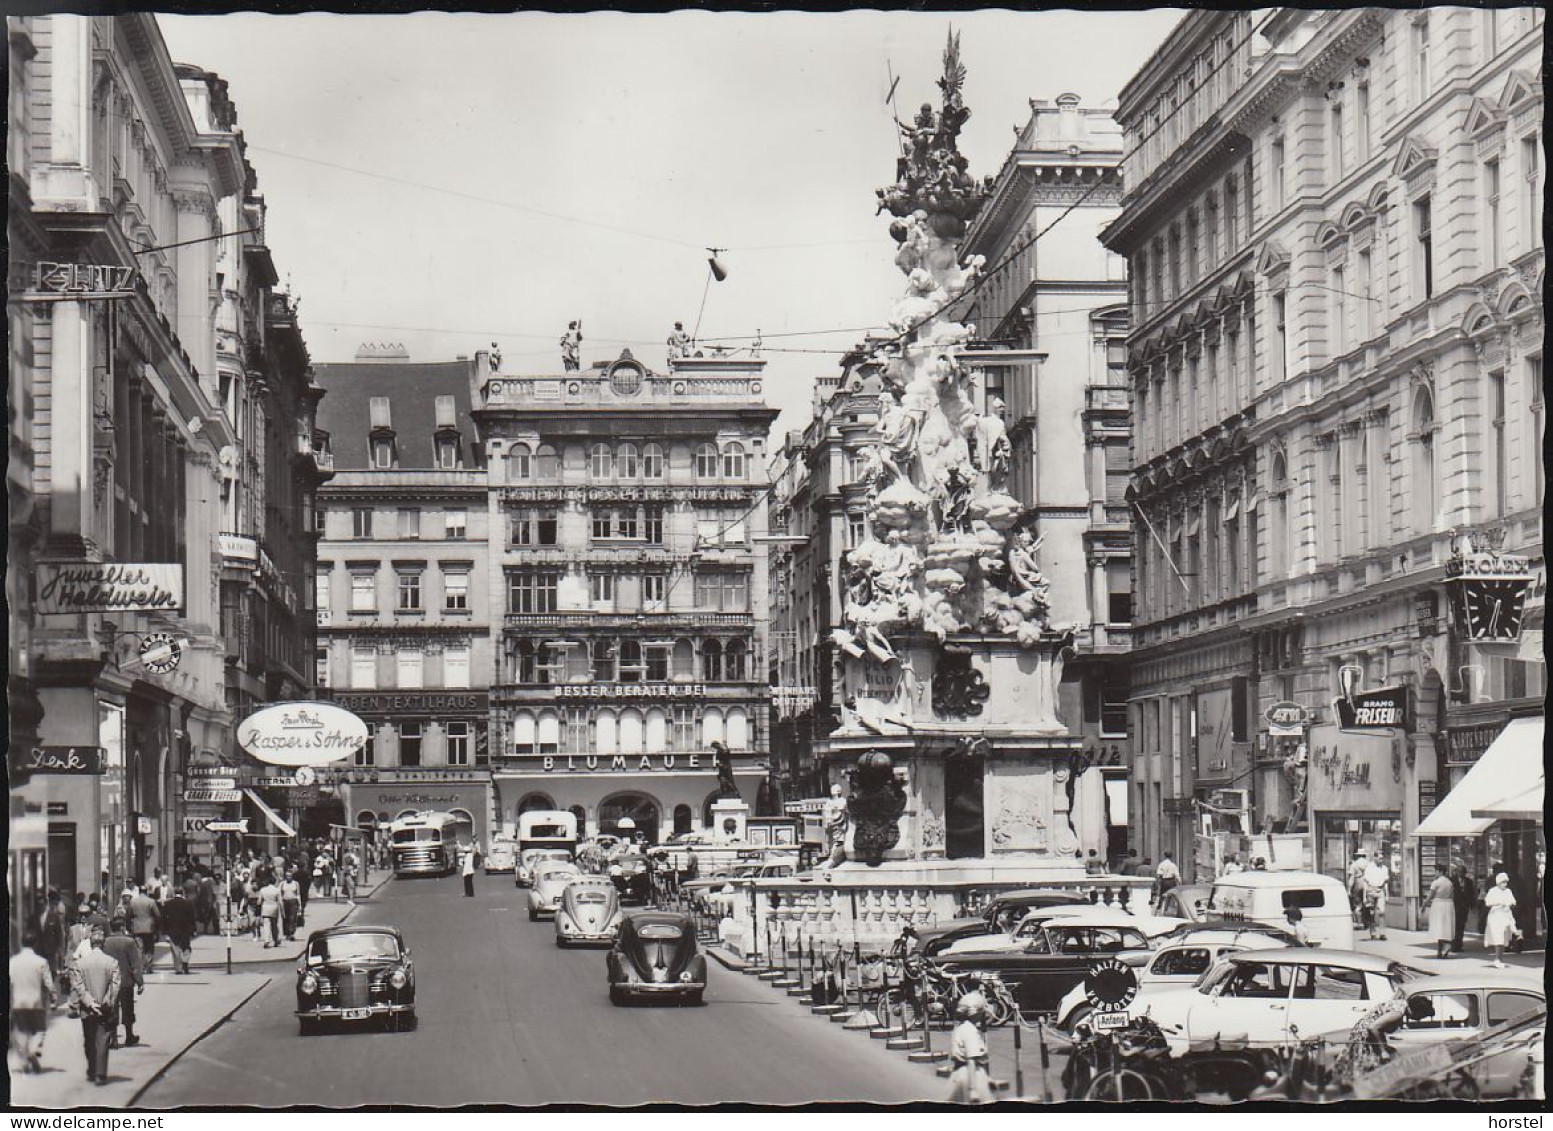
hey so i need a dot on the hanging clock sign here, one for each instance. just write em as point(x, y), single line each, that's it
point(1488, 594)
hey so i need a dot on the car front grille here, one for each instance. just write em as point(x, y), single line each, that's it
point(353, 990)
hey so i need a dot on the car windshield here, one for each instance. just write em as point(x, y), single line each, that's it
point(588, 895)
point(557, 874)
point(658, 931)
point(341, 948)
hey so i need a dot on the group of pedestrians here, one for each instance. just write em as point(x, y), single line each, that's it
point(270, 892)
point(1454, 896)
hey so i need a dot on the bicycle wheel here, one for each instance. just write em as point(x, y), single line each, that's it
point(1123, 1085)
point(1000, 1008)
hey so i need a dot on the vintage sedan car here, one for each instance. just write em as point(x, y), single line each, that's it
point(1000, 916)
point(1034, 921)
point(1466, 1007)
point(1179, 962)
point(355, 974)
point(1233, 926)
point(1267, 997)
point(502, 856)
point(655, 956)
point(1057, 956)
point(589, 912)
point(1187, 901)
point(550, 882)
point(631, 877)
point(531, 858)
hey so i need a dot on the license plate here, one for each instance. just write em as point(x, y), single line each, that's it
point(1110, 1021)
point(355, 1014)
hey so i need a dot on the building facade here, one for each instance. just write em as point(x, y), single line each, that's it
point(127, 165)
point(402, 591)
point(1333, 227)
point(1064, 296)
point(628, 588)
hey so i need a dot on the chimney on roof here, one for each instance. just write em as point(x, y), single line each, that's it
point(382, 351)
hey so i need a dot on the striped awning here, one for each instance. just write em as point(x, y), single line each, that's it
point(275, 818)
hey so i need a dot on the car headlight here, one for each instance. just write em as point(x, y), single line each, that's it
point(685, 976)
point(309, 984)
point(398, 979)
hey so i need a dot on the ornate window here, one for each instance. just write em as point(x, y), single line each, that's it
point(520, 463)
point(603, 466)
point(733, 462)
point(627, 465)
point(547, 464)
point(604, 661)
point(712, 661)
point(652, 461)
point(1425, 492)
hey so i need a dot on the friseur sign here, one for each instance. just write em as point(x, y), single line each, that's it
point(1382, 708)
point(103, 587)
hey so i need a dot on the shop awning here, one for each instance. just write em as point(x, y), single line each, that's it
point(1512, 762)
point(1523, 806)
point(275, 818)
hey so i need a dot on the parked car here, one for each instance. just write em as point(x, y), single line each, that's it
point(1187, 901)
point(1265, 897)
point(1001, 915)
point(1283, 935)
point(355, 974)
point(1263, 996)
point(655, 956)
point(1179, 961)
point(530, 858)
point(1031, 925)
point(550, 882)
point(1466, 1007)
point(1058, 955)
point(589, 912)
point(501, 856)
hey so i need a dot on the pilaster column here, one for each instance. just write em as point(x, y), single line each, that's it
point(70, 448)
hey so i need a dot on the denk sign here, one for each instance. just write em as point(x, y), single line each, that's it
point(302, 734)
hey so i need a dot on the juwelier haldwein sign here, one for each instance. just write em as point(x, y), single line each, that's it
point(104, 587)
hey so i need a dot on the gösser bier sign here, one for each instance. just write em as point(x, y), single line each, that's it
point(302, 734)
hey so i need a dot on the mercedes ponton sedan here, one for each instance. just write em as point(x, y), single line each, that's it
point(355, 974)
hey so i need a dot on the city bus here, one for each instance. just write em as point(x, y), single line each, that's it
point(427, 843)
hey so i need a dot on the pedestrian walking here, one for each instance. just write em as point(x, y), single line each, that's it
point(469, 871)
point(269, 914)
point(32, 993)
point(145, 923)
point(348, 868)
point(968, 1082)
point(126, 951)
point(51, 933)
point(1442, 910)
point(290, 904)
point(1499, 928)
point(1377, 884)
point(1464, 897)
point(1166, 876)
point(321, 874)
point(179, 922)
point(1361, 861)
point(95, 982)
point(207, 912)
point(304, 879)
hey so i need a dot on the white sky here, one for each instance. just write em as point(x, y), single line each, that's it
point(762, 133)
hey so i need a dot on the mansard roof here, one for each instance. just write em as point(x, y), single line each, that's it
point(412, 389)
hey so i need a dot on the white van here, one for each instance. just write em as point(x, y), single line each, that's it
point(1264, 897)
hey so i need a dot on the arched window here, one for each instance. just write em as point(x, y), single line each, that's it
point(527, 662)
point(582, 819)
point(733, 462)
point(549, 732)
point(738, 729)
point(684, 666)
point(626, 464)
point(711, 727)
point(657, 741)
point(642, 810)
point(631, 731)
point(652, 461)
point(682, 819)
point(1426, 502)
point(733, 661)
point(1278, 534)
point(520, 463)
point(706, 461)
point(547, 463)
point(603, 466)
point(533, 803)
point(524, 733)
point(604, 732)
point(711, 661)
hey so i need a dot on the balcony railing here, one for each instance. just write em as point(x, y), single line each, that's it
point(587, 618)
point(532, 392)
point(1108, 398)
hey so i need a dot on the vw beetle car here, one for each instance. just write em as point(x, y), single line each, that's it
point(589, 912)
point(530, 860)
point(502, 856)
point(355, 974)
point(655, 956)
point(550, 880)
point(1466, 1007)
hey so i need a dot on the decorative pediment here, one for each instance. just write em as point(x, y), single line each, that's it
point(1328, 234)
point(1272, 259)
point(1479, 319)
point(1520, 91)
point(1415, 161)
point(1514, 299)
point(1482, 117)
point(1355, 216)
point(1378, 199)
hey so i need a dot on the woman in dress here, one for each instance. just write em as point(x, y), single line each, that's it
point(1442, 911)
point(1499, 920)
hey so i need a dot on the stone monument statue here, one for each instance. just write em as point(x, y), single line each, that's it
point(837, 820)
point(571, 346)
point(726, 786)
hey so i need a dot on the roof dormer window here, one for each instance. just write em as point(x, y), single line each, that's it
point(447, 436)
point(382, 434)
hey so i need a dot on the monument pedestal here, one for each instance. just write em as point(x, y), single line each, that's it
point(726, 810)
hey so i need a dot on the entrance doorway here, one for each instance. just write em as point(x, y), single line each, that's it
point(640, 808)
point(62, 858)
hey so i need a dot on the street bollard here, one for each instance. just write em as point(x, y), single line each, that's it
point(1019, 1067)
point(1046, 1061)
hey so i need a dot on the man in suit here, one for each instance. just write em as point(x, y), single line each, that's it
point(94, 979)
point(145, 923)
point(126, 951)
point(179, 923)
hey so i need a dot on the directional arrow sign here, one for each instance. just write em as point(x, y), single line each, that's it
point(228, 826)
